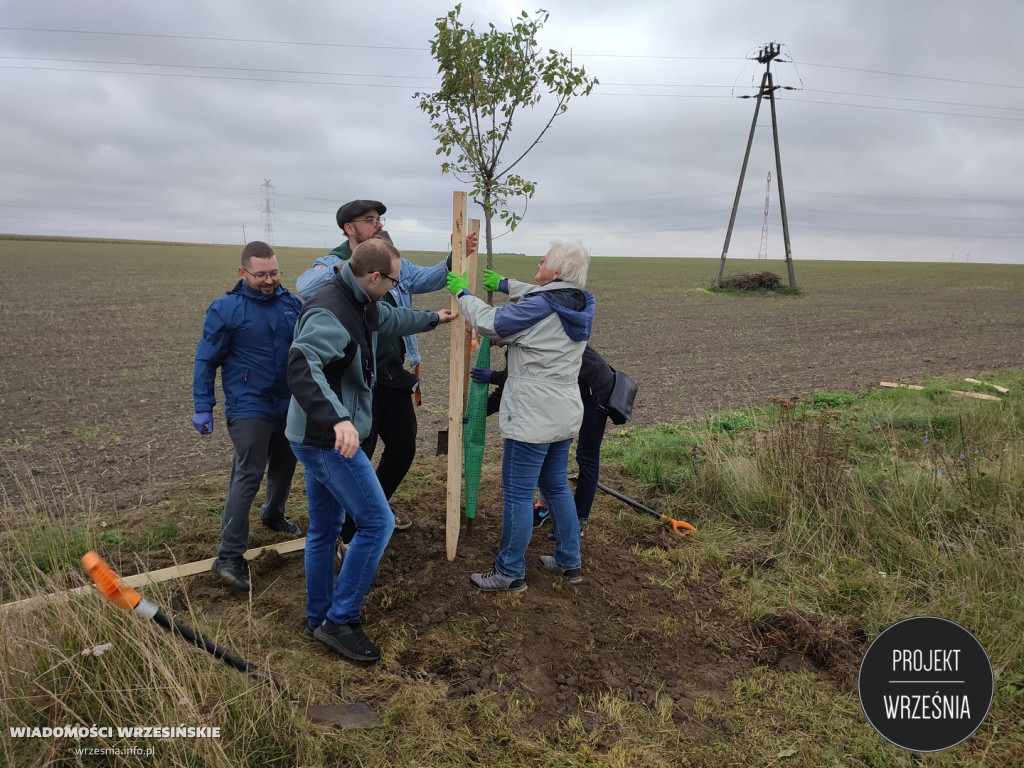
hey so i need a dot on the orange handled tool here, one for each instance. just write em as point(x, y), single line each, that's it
point(108, 582)
point(348, 715)
point(681, 527)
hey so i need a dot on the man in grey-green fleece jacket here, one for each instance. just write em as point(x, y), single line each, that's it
point(331, 373)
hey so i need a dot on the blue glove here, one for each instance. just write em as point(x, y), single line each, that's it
point(203, 422)
point(481, 375)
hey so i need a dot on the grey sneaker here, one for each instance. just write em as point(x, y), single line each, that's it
point(492, 581)
point(402, 520)
point(284, 525)
point(307, 631)
point(572, 575)
point(235, 572)
point(347, 639)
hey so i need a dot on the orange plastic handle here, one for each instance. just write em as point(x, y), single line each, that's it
point(109, 583)
point(679, 526)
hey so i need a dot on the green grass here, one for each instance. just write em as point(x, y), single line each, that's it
point(790, 509)
point(902, 503)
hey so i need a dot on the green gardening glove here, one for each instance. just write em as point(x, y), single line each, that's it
point(492, 280)
point(457, 283)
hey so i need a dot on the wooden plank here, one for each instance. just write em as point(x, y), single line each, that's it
point(456, 385)
point(975, 395)
point(151, 577)
point(996, 387)
point(953, 392)
point(897, 384)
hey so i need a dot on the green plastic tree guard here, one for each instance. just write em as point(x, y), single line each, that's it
point(474, 430)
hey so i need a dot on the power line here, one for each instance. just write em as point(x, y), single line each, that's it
point(121, 206)
point(413, 87)
point(538, 208)
point(230, 69)
point(912, 198)
point(209, 77)
point(920, 77)
point(906, 98)
point(904, 109)
point(214, 39)
point(417, 48)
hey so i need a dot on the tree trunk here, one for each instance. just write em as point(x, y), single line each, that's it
point(488, 206)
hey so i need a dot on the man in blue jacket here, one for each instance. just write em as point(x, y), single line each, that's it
point(247, 334)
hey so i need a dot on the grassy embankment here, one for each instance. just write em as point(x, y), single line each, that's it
point(867, 508)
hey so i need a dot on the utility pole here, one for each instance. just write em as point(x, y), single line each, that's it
point(244, 241)
point(767, 90)
point(762, 252)
point(268, 212)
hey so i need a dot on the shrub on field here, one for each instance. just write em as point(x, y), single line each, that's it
point(758, 281)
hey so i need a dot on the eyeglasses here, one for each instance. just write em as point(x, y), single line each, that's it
point(273, 275)
point(394, 280)
point(373, 221)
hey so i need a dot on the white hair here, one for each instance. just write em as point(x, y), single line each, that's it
point(572, 259)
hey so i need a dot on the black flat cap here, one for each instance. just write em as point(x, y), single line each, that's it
point(356, 208)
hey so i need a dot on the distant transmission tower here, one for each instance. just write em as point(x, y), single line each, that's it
point(268, 212)
point(762, 252)
point(767, 90)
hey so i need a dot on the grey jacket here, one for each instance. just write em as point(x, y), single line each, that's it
point(546, 332)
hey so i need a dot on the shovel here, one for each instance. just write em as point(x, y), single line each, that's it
point(345, 715)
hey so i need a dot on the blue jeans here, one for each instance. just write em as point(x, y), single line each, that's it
point(588, 455)
point(526, 466)
point(335, 487)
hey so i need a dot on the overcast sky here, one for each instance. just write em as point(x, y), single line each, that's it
point(163, 121)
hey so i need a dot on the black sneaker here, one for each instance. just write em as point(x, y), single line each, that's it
point(284, 525)
point(572, 575)
point(347, 639)
point(541, 514)
point(235, 572)
point(307, 631)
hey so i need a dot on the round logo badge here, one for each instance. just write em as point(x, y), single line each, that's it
point(926, 684)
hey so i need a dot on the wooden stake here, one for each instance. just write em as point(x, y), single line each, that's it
point(456, 384)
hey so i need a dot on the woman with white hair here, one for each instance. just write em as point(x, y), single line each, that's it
point(545, 331)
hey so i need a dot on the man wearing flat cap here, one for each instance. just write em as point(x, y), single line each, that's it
point(394, 415)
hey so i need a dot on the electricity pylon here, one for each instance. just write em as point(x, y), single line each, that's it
point(268, 212)
point(762, 252)
point(767, 91)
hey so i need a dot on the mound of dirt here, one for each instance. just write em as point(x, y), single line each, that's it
point(792, 640)
point(634, 627)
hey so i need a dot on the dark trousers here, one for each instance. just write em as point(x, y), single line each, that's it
point(394, 423)
point(260, 446)
point(588, 455)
